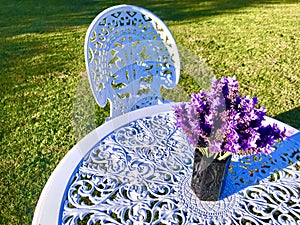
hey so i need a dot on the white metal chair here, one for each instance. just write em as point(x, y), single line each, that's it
point(130, 54)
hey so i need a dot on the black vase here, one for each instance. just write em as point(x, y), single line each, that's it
point(208, 182)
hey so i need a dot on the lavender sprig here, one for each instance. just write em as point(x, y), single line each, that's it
point(226, 121)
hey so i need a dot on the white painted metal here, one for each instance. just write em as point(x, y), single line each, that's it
point(130, 54)
point(53, 198)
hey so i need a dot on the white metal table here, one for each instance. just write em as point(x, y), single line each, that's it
point(136, 169)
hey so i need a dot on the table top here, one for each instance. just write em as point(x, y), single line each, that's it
point(136, 169)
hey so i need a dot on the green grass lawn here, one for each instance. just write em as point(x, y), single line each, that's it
point(42, 63)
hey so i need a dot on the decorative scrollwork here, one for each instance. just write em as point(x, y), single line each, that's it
point(141, 174)
point(130, 53)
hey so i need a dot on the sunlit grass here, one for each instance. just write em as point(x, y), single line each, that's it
point(42, 64)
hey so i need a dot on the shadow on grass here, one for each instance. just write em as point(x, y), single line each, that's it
point(291, 117)
point(194, 10)
point(33, 16)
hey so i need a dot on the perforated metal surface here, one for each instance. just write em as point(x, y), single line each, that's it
point(130, 54)
point(141, 174)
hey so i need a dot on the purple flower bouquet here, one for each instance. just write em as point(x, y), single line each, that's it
point(220, 122)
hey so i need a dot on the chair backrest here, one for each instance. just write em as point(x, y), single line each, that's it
point(130, 54)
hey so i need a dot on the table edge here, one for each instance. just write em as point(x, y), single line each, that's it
point(44, 212)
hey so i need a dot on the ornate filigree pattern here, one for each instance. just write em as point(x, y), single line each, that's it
point(130, 54)
point(141, 174)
